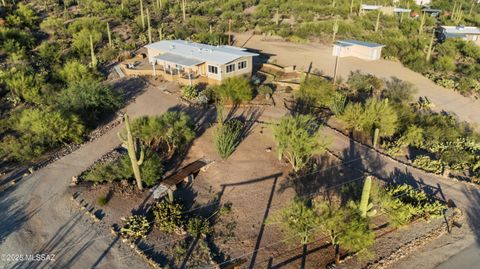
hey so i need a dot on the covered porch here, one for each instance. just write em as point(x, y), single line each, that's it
point(175, 65)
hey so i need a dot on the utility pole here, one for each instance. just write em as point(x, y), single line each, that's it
point(335, 70)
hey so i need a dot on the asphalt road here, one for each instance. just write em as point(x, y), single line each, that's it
point(468, 258)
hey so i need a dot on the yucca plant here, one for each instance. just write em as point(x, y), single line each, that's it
point(227, 137)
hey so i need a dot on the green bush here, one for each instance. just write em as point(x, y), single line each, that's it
point(227, 136)
point(235, 90)
point(168, 216)
point(151, 170)
point(102, 200)
point(198, 226)
point(265, 91)
point(426, 163)
point(134, 227)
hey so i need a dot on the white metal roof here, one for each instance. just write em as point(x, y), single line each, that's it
point(207, 53)
point(345, 43)
point(178, 59)
point(461, 30)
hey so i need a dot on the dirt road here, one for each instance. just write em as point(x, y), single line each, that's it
point(37, 216)
point(320, 57)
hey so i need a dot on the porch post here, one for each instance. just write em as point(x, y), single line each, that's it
point(154, 71)
point(190, 78)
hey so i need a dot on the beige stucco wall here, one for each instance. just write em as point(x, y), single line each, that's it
point(237, 72)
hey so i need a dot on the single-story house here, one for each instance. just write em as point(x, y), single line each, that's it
point(213, 62)
point(359, 49)
point(471, 33)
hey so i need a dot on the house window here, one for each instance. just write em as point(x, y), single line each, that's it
point(212, 69)
point(242, 65)
point(230, 68)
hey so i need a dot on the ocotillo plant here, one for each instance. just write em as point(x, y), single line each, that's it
point(92, 53)
point(377, 24)
point(366, 208)
point(430, 46)
point(149, 28)
point(335, 29)
point(141, 14)
point(134, 150)
point(109, 35)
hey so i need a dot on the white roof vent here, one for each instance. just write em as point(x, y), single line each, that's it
point(172, 46)
point(460, 27)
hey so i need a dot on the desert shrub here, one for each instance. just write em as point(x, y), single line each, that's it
point(171, 129)
point(39, 130)
point(199, 256)
point(265, 91)
point(168, 216)
point(359, 83)
point(90, 99)
point(425, 162)
point(298, 139)
point(315, 92)
point(102, 200)
point(227, 136)
point(151, 169)
point(134, 227)
point(446, 82)
point(198, 226)
point(424, 206)
point(189, 92)
point(107, 172)
point(235, 90)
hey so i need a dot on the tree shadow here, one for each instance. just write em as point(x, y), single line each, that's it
point(472, 211)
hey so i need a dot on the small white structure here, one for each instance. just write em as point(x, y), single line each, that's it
point(360, 49)
point(388, 10)
point(471, 33)
point(216, 63)
point(423, 2)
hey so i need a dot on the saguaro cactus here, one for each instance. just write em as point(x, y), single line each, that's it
point(422, 23)
point(92, 53)
point(366, 207)
point(141, 14)
point(377, 24)
point(149, 28)
point(335, 29)
point(109, 35)
point(430, 46)
point(135, 151)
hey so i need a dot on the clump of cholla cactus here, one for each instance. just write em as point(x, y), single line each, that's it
point(134, 227)
point(135, 151)
point(366, 208)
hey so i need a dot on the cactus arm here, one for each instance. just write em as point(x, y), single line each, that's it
point(121, 138)
point(365, 196)
point(142, 156)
